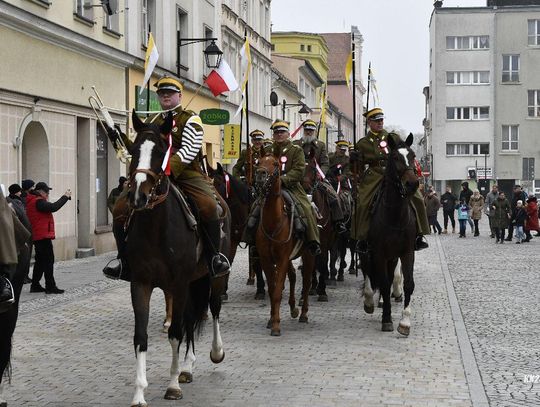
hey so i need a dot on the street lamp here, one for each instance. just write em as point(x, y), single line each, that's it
point(212, 53)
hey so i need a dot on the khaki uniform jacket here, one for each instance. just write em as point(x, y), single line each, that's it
point(240, 168)
point(333, 161)
point(319, 149)
point(292, 174)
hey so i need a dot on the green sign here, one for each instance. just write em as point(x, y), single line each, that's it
point(140, 101)
point(214, 116)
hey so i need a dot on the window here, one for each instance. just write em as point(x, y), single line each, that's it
point(309, 48)
point(510, 71)
point(112, 22)
point(480, 148)
point(463, 149)
point(182, 28)
point(467, 113)
point(534, 32)
point(84, 9)
point(467, 77)
point(302, 47)
point(510, 138)
point(467, 42)
point(533, 103)
point(148, 13)
point(528, 168)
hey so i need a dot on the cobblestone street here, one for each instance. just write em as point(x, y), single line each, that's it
point(473, 338)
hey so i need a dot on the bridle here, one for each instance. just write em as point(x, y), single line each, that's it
point(397, 178)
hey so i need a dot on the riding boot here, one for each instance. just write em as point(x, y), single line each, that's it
point(218, 264)
point(251, 226)
point(314, 247)
point(7, 294)
point(120, 271)
point(298, 224)
point(420, 243)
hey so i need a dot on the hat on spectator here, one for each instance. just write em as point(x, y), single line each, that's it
point(14, 188)
point(42, 186)
point(26, 184)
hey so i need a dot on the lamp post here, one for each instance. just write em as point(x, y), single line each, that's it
point(285, 105)
point(212, 53)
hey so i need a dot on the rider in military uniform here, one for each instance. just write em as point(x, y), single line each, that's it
point(186, 173)
point(240, 169)
point(370, 158)
point(293, 164)
point(338, 165)
point(309, 145)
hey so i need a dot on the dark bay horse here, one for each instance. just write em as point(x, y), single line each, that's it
point(276, 245)
point(163, 250)
point(392, 234)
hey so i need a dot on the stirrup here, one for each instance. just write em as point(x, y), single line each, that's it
point(223, 273)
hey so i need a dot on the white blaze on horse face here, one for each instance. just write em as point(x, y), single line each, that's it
point(145, 158)
point(404, 152)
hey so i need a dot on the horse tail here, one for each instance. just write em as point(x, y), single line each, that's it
point(196, 309)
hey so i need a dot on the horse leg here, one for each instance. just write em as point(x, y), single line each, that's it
point(334, 253)
point(186, 367)
point(353, 267)
point(174, 392)
point(282, 268)
point(140, 299)
point(314, 282)
point(407, 266)
point(269, 271)
point(217, 354)
point(342, 252)
point(168, 311)
point(397, 285)
point(322, 265)
point(292, 286)
point(256, 265)
point(385, 269)
point(308, 262)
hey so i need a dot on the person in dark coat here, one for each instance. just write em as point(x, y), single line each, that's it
point(518, 195)
point(449, 202)
point(432, 208)
point(15, 199)
point(26, 185)
point(519, 216)
point(465, 196)
point(501, 216)
point(115, 193)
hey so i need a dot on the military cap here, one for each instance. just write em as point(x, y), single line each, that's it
point(280, 125)
point(256, 135)
point(309, 125)
point(168, 83)
point(374, 114)
point(342, 144)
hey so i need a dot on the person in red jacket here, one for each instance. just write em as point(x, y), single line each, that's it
point(40, 212)
point(532, 218)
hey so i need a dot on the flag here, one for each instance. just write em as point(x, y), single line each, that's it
point(221, 79)
point(349, 71)
point(245, 55)
point(373, 84)
point(150, 60)
point(322, 119)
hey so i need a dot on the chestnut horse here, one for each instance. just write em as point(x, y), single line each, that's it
point(163, 250)
point(276, 245)
point(392, 234)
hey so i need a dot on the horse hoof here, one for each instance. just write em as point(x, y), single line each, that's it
point(275, 332)
point(173, 394)
point(303, 319)
point(322, 298)
point(369, 309)
point(404, 330)
point(185, 377)
point(398, 299)
point(250, 281)
point(260, 296)
point(387, 327)
point(340, 277)
point(294, 313)
point(313, 291)
point(224, 297)
point(269, 324)
point(219, 359)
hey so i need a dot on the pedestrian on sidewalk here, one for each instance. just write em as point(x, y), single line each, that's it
point(115, 193)
point(449, 201)
point(532, 218)
point(490, 199)
point(501, 216)
point(27, 185)
point(477, 206)
point(432, 208)
point(40, 212)
point(465, 196)
point(14, 198)
point(518, 220)
point(463, 217)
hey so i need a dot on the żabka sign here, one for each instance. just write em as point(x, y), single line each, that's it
point(214, 116)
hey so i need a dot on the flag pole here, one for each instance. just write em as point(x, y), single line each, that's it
point(354, 87)
point(367, 101)
point(148, 83)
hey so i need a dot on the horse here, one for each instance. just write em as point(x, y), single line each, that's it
point(9, 315)
point(312, 185)
point(392, 234)
point(277, 245)
point(163, 250)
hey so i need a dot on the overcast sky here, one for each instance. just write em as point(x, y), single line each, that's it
point(396, 41)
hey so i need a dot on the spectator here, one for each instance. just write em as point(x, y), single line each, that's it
point(40, 212)
point(518, 195)
point(490, 198)
point(500, 217)
point(465, 196)
point(532, 218)
point(449, 200)
point(27, 185)
point(422, 190)
point(477, 206)
point(432, 207)
point(518, 220)
point(14, 198)
point(115, 193)
point(463, 217)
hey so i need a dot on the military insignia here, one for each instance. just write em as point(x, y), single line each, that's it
point(383, 145)
point(283, 161)
point(175, 129)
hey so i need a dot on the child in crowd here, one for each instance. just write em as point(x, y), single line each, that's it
point(463, 217)
point(518, 219)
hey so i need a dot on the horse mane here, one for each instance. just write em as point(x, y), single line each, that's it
point(239, 188)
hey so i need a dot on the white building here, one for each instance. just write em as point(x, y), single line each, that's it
point(484, 112)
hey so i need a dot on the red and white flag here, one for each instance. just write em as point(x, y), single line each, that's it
point(221, 79)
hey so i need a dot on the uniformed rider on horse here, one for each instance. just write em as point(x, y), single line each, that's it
point(186, 173)
point(242, 168)
point(316, 149)
point(369, 157)
point(292, 165)
point(339, 170)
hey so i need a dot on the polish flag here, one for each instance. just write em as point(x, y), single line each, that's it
point(221, 79)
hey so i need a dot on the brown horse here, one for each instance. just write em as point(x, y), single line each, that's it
point(276, 245)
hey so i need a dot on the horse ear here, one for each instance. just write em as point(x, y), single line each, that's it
point(391, 142)
point(167, 125)
point(137, 123)
point(409, 140)
point(220, 169)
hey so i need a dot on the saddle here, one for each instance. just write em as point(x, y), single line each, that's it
point(187, 206)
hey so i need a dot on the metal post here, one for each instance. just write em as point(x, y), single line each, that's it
point(283, 107)
point(178, 53)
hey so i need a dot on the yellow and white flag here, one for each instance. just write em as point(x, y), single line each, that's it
point(324, 97)
point(150, 60)
point(349, 72)
point(245, 55)
point(374, 91)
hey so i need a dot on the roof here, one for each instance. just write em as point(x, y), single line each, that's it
point(339, 45)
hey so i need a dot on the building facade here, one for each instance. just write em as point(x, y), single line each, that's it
point(484, 96)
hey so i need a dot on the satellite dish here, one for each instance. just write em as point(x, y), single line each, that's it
point(273, 98)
